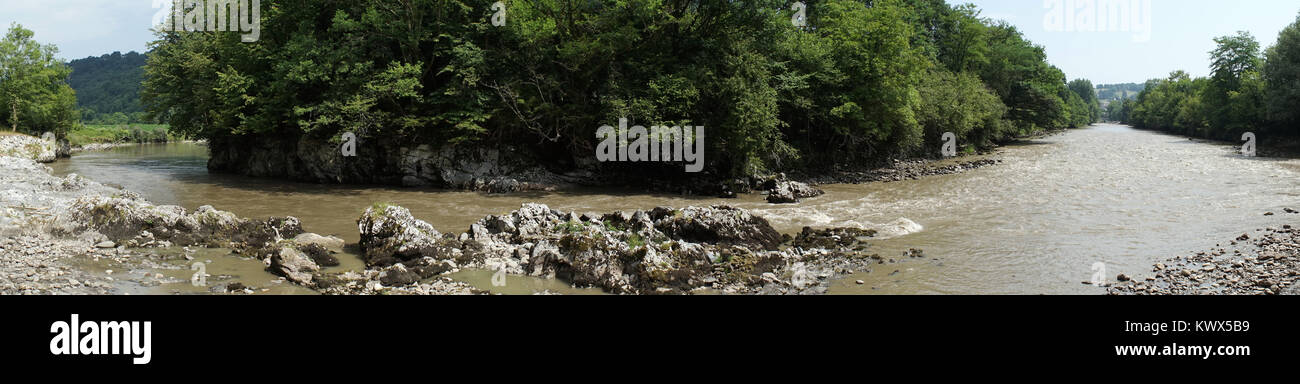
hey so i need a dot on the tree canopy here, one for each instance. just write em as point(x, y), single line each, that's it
point(33, 85)
point(861, 81)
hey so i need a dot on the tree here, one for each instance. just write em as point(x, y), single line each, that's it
point(1234, 60)
point(33, 84)
point(1120, 110)
point(1282, 80)
point(961, 104)
point(861, 83)
point(1088, 93)
point(1018, 72)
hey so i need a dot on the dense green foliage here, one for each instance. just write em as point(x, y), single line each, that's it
point(862, 81)
point(108, 88)
point(1282, 80)
point(1245, 92)
point(34, 94)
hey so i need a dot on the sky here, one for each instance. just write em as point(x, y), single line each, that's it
point(82, 28)
point(1182, 34)
point(1181, 31)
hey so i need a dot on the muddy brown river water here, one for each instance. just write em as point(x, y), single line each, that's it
point(1034, 224)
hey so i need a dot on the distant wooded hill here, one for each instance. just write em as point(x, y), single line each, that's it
point(1110, 92)
point(108, 88)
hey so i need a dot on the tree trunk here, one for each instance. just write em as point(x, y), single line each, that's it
point(14, 118)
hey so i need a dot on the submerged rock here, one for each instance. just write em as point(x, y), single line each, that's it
point(832, 238)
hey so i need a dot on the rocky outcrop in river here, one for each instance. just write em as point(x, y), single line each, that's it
point(661, 251)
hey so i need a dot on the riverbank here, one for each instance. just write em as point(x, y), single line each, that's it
point(1261, 262)
point(52, 227)
point(1281, 147)
point(510, 169)
point(32, 259)
point(89, 134)
point(27, 147)
point(96, 147)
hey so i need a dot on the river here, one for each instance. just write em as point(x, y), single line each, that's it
point(1034, 224)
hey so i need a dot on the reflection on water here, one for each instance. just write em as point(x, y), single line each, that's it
point(1033, 224)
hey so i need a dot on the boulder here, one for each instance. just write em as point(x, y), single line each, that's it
point(329, 242)
point(389, 234)
point(718, 224)
point(790, 192)
point(397, 275)
point(294, 265)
